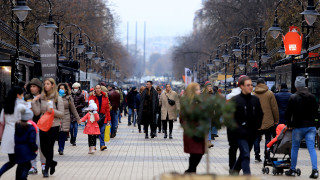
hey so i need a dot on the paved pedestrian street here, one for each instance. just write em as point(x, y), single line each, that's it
point(132, 157)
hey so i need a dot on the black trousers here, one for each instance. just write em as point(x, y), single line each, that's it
point(146, 127)
point(22, 170)
point(165, 125)
point(8, 165)
point(47, 140)
point(194, 161)
point(92, 140)
point(159, 124)
point(233, 147)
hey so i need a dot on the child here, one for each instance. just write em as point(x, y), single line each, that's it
point(92, 127)
point(25, 144)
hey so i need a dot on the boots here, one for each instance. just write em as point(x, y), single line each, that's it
point(170, 134)
point(165, 135)
point(71, 140)
point(74, 141)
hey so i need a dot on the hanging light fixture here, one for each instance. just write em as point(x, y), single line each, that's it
point(310, 15)
point(237, 51)
point(21, 10)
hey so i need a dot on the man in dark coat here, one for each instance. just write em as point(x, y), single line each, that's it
point(248, 117)
point(114, 98)
point(282, 98)
point(148, 109)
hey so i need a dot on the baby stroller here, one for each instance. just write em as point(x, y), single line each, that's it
point(281, 144)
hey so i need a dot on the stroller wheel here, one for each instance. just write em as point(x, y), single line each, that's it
point(298, 171)
point(274, 171)
point(263, 171)
point(281, 172)
point(267, 170)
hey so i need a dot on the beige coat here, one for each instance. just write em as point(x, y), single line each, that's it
point(40, 108)
point(166, 108)
point(68, 109)
point(269, 106)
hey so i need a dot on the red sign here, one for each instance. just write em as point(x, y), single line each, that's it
point(293, 41)
point(313, 54)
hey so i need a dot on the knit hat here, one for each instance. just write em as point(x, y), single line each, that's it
point(133, 88)
point(76, 85)
point(300, 82)
point(27, 115)
point(92, 105)
point(242, 76)
point(207, 84)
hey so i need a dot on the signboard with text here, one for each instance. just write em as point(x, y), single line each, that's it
point(47, 54)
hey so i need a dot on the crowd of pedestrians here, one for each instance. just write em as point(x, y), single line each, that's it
point(258, 112)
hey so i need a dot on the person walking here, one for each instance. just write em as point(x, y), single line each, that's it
point(102, 101)
point(248, 117)
point(130, 103)
point(271, 115)
point(34, 88)
point(69, 108)
point(137, 105)
point(92, 126)
point(159, 121)
point(79, 103)
point(114, 98)
point(148, 108)
point(300, 115)
point(49, 101)
point(208, 91)
point(25, 144)
point(10, 114)
point(170, 105)
point(195, 146)
point(119, 112)
point(282, 98)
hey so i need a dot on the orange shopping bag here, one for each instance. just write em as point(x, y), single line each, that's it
point(46, 120)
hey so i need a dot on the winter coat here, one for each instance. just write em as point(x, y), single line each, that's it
point(269, 106)
point(105, 108)
point(146, 112)
point(91, 128)
point(131, 98)
point(79, 103)
point(192, 145)
point(7, 143)
point(137, 101)
point(114, 98)
point(248, 116)
point(29, 97)
point(166, 108)
point(41, 106)
point(302, 110)
point(25, 143)
point(69, 109)
point(234, 92)
point(282, 98)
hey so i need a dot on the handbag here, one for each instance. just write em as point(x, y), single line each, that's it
point(107, 133)
point(2, 125)
point(170, 101)
point(101, 119)
point(46, 121)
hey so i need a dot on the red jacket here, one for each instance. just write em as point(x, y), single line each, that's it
point(105, 109)
point(91, 128)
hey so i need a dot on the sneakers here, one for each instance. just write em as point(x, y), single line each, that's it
point(102, 148)
point(290, 172)
point(257, 159)
point(33, 171)
point(314, 174)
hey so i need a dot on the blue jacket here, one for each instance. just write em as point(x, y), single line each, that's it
point(137, 100)
point(282, 98)
point(25, 143)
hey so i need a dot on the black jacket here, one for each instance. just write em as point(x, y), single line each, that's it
point(248, 116)
point(152, 109)
point(302, 110)
point(25, 143)
point(131, 99)
point(282, 98)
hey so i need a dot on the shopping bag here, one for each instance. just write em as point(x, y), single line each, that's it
point(107, 133)
point(46, 120)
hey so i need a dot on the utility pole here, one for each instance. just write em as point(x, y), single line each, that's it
point(144, 49)
point(128, 36)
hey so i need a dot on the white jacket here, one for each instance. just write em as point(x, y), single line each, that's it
point(7, 143)
point(234, 92)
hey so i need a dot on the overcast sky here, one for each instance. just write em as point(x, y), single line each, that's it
point(163, 17)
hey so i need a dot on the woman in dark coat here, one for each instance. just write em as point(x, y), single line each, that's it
point(195, 146)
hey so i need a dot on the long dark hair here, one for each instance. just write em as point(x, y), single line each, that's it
point(10, 100)
point(65, 87)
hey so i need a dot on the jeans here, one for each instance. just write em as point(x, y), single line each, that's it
point(101, 136)
point(8, 165)
point(135, 115)
point(214, 130)
point(22, 170)
point(74, 129)
point(308, 134)
point(114, 121)
point(209, 135)
point(233, 147)
point(243, 161)
point(267, 133)
point(119, 115)
point(62, 140)
point(131, 114)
